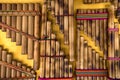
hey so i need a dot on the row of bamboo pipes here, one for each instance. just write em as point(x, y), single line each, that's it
point(94, 1)
point(63, 11)
point(13, 69)
point(94, 28)
point(113, 46)
point(29, 24)
point(53, 62)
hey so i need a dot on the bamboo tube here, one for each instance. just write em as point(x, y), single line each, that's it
point(97, 32)
point(115, 2)
point(31, 32)
point(37, 34)
point(89, 25)
point(8, 70)
point(90, 1)
point(57, 10)
point(85, 57)
point(94, 62)
point(101, 66)
point(81, 54)
point(66, 63)
point(3, 68)
point(52, 7)
point(18, 72)
point(8, 34)
point(61, 64)
point(97, 63)
point(90, 60)
point(24, 29)
point(24, 68)
point(13, 23)
point(104, 64)
point(117, 49)
point(111, 42)
point(85, 22)
point(70, 71)
point(28, 69)
point(13, 72)
point(4, 17)
point(18, 26)
point(61, 2)
point(66, 24)
point(57, 64)
point(93, 27)
point(71, 30)
point(0, 59)
point(97, 1)
point(85, 1)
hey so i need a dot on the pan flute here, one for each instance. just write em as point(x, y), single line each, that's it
point(93, 23)
point(63, 11)
point(113, 46)
point(95, 1)
point(13, 69)
point(22, 24)
point(89, 65)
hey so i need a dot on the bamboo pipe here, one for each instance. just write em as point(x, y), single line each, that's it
point(4, 17)
point(52, 7)
point(37, 34)
point(66, 63)
point(8, 33)
point(85, 22)
point(70, 71)
point(28, 69)
point(13, 72)
point(0, 58)
point(18, 26)
point(71, 30)
point(94, 62)
point(13, 23)
point(18, 72)
point(8, 70)
point(57, 11)
point(97, 65)
point(31, 32)
point(101, 66)
point(24, 29)
point(3, 68)
point(24, 68)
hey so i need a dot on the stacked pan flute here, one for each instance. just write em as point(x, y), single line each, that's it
point(113, 46)
point(63, 11)
point(54, 64)
point(95, 1)
point(89, 65)
point(93, 22)
point(11, 69)
point(22, 24)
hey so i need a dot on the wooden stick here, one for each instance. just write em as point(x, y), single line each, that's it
point(18, 26)
point(4, 17)
point(19, 65)
point(13, 34)
point(71, 30)
point(8, 34)
point(8, 70)
point(3, 68)
point(31, 32)
point(37, 34)
point(13, 72)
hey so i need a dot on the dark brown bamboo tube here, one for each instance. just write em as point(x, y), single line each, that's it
point(61, 3)
point(36, 43)
point(111, 43)
point(94, 62)
point(61, 64)
point(19, 26)
point(71, 30)
point(31, 32)
point(70, 71)
point(24, 29)
point(13, 23)
point(93, 27)
point(118, 3)
point(24, 68)
point(56, 10)
point(18, 72)
point(8, 34)
point(81, 54)
point(13, 72)
point(97, 32)
point(85, 57)
point(3, 68)
point(8, 70)
point(0, 59)
point(4, 17)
